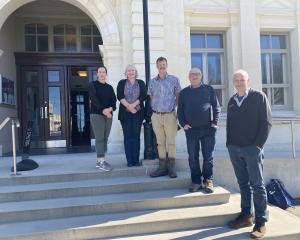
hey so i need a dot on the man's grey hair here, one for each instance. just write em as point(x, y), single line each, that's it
point(241, 72)
point(197, 69)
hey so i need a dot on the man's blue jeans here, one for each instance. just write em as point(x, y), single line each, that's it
point(207, 137)
point(248, 167)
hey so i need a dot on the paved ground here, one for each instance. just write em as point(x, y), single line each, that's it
point(296, 209)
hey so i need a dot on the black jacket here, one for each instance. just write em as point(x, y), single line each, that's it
point(251, 122)
point(142, 98)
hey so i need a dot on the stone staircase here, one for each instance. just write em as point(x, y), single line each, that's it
point(122, 204)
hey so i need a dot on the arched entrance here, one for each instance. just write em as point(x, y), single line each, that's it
point(55, 59)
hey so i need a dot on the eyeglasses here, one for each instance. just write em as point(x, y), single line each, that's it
point(195, 74)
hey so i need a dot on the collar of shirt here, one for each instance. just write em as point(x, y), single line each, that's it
point(158, 78)
point(201, 85)
point(239, 103)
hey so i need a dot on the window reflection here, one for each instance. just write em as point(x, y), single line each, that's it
point(198, 41)
point(277, 62)
point(33, 108)
point(80, 113)
point(197, 60)
point(90, 38)
point(265, 42)
point(65, 38)
point(36, 37)
point(54, 111)
point(214, 41)
point(278, 96)
point(278, 42)
point(208, 55)
point(274, 67)
point(214, 68)
point(53, 76)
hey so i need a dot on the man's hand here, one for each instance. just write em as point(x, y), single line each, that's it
point(186, 127)
point(214, 125)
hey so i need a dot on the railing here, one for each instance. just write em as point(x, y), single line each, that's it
point(289, 121)
point(14, 124)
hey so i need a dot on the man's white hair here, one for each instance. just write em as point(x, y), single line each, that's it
point(241, 72)
point(197, 69)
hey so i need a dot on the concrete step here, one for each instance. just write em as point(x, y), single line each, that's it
point(205, 222)
point(91, 187)
point(281, 225)
point(112, 225)
point(104, 204)
point(36, 177)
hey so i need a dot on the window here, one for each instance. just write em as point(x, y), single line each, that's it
point(90, 38)
point(64, 37)
point(274, 58)
point(36, 37)
point(207, 53)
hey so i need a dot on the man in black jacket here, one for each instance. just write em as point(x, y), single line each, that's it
point(198, 114)
point(248, 127)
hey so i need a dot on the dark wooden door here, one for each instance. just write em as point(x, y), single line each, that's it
point(43, 103)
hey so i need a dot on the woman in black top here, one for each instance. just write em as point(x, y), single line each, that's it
point(131, 93)
point(103, 103)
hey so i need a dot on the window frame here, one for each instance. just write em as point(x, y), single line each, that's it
point(92, 36)
point(287, 81)
point(205, 51)
point(65, 35)
point(36, 35)
point(50, 26)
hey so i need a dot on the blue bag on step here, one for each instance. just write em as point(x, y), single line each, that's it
point(277, 195)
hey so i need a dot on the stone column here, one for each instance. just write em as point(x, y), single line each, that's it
point(233, 49)
point(250, 42)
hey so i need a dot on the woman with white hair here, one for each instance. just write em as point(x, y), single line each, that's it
point(131, 92)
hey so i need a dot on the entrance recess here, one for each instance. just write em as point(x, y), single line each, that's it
point(79, 78)
point(56, 99)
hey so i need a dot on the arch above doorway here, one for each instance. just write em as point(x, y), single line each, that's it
point(99, 11)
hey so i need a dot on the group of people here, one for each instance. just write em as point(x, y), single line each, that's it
point(198, 110)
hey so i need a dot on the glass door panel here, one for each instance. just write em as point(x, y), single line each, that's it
point(54, 103)
point(54, 111)
point(32, 97)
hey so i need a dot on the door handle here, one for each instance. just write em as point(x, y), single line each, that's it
point(46, 112)
point(41, 112)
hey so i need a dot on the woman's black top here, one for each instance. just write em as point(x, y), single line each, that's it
point(102, 96)
point(142, 98)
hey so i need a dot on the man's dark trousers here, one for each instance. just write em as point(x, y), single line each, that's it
point(205, 136)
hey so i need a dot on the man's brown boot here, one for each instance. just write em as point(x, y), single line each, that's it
point(162, 169)
point(208, 186)
point(171, 168)
point(241, 221)
point(258, 231)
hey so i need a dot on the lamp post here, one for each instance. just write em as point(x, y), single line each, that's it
point(150, 151)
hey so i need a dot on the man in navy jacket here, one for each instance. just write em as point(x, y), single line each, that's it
point(198, 114)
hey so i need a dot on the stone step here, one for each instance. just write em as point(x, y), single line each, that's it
point(104, 204)
point(112, 225)
point(281, 225)
point(91, 187)
point(36, 177)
